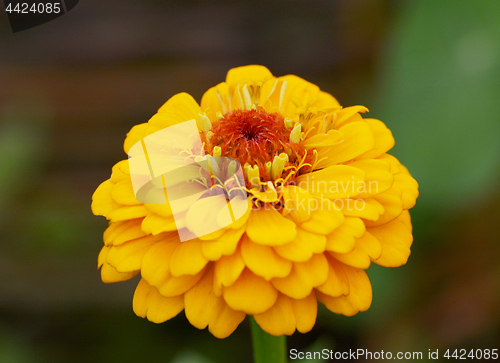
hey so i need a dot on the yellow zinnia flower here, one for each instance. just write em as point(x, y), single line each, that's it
point(322, 200)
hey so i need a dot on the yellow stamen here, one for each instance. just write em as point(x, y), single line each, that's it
point(278, 165)
point(282, 94)
point(209, 135)
point(295, 134)
point(205, 123)
point(219, 115)
point(217, 151)
point(268, 168)
point(231, 168)
point(254, 176)
point(246, 97)
point(288, 123)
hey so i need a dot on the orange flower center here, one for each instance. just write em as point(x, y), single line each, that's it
point(255, 137)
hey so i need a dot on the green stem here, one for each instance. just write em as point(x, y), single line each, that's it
point(267, 348)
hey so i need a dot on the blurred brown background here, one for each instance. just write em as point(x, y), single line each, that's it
point(71, 89)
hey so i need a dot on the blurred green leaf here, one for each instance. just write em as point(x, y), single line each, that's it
point(440, 98)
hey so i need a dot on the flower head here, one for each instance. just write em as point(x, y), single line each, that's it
point(317, 200)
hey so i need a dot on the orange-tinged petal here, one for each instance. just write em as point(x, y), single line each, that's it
point(204, 308)
point(270, 228)
point(102, 203)
point(343, 239)
point(279, 319)
point(395, 238)
point(302, 247)
point(250, 294)
point(367, 249)
point(156, 261)
point(224, 245)
point(303, 277)
point(128, 256)
point(263, 260)
point(333, 182)
point(358, 139)
point(359, 298)
point(337, 283)
point(149, 303)
point(384, 141)
point(187, 259)
point(227, 270)
point(305, 311)
point(108, 272)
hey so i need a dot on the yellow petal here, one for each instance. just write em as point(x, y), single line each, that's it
point(333, 182)
point(408, 186)
point(149, 303)
point(120, 171)
point(324, 220)
point(102, 203)
point(250, 75)
point(298, 90)
point(128, 212)
point(367, 249)
point(187, 259)
point(326, 101)
point(270, 228)
point(121, 232)
point(263, 260)
point(136, 134)
point(123, 193)
point(303, 277)
point(279, 319)
point(358, 139)
point(333, 137)
point(359, 298)
point(378, 177)
point(393, 206)
point(156, 224)
point(128, 256)
point(224, 245)
point(384, 141)
point(182, 105)
point(343, 239)
point(215, 100)
point(109, 274)
point(368, 208)
point(337, 283)
point(305, 311)
point(349, 114)
point(395, 239)
point(302, 247)
point(250, 294)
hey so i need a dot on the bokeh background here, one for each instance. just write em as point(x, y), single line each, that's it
point(71, 89)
